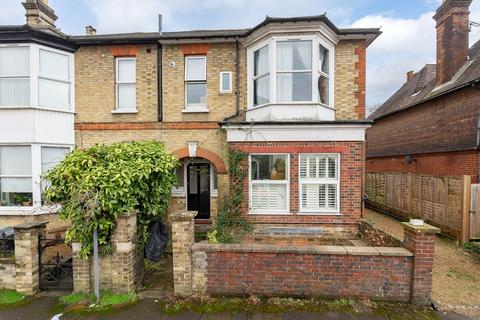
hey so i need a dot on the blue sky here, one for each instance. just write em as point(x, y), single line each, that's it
point(407, 42)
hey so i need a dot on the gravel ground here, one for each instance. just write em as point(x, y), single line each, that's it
point(456, 274)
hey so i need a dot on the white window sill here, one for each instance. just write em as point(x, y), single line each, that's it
point(316, 213)
point(226, 92)
point(116, 111)
point(191, 110)
point(178, 195)
point(36, 108)
point(270, 213)
point(27, 211)
point(290, 103)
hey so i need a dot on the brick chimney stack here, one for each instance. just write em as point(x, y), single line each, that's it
point(453, 27)
point(39, 14)
point(90, 31)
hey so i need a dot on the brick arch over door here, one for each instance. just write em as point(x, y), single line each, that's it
point(205, 154)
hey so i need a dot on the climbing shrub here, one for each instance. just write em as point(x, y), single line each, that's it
point(229, 217)
point(95, 185)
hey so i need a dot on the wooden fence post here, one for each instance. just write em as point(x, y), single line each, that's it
point(465, 234)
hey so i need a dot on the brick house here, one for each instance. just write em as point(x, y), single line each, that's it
point(290, 92)
point(430, 125)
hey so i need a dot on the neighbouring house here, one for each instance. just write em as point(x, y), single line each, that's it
point(430, 126)
point(290, 92)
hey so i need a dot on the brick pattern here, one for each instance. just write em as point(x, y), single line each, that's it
point(7, 271)
point(26, 257)
point(182, 241)
point(95, 84)
point(118, 270)
point(308, 274)
point(421, 241)
point(351, 175)
point(436, 164)
point(350, 65)
point(448, 124)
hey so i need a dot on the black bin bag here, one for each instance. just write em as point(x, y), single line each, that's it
point(157, 241)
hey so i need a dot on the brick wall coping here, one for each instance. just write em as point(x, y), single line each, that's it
point(331, 250)
point(30, 225)
point(183, 215)
point(425, 228)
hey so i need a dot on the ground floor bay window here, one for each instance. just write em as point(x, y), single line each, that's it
point(21, 169)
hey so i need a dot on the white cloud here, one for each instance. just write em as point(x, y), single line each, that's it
point(406, 44)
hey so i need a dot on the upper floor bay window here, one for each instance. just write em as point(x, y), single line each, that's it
point(269, 183)
point(126, 87)
point(296, 71)
point(196, 83)
point(32, 75)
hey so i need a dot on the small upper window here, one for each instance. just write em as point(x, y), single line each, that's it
point(261, 77)
point(225, 82)
point(195, 83)
point(126, 84)
point(323, 75)
point(54, 80)
point(15, 76)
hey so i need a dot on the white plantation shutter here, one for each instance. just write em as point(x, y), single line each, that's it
point(269, 197)
point(318, 178)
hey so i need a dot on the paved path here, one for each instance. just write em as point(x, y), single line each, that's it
point(456, 274)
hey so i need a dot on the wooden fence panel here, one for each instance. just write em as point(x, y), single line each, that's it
point(475, 212)
point(438, 200)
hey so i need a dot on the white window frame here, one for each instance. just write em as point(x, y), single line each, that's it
point(31, 176)
point(35, 74)
point(326, 180)
point(28, 76)
point(182, 191)
point(272, 54)
point(229, 90)
point(68, 81)
point(199, 108)
point(119, 83)
point(36, 163)
point(252, 182)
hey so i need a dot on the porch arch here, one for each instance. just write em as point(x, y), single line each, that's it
point(206, 154)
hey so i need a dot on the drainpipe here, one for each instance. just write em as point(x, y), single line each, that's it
point(237, 82)
point(159, 82)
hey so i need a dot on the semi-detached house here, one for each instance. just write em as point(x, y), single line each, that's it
point(290, 92)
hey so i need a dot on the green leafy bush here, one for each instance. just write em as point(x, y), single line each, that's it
point(96, 185)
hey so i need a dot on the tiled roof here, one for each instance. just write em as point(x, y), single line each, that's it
point(422, 86)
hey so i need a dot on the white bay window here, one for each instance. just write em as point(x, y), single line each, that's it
point(292, 70)
point(319, 183)
point(36, 76)
point(269, 183)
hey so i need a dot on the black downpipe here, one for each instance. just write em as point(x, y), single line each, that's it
point(237, 82)
point(159, 82)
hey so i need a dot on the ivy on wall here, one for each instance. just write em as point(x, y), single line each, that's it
point(229, 217)
point(94, 186)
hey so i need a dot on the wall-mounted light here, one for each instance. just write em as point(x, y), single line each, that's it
point(192, 148)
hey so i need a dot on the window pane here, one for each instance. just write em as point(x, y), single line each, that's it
point(214, 177)
point(195, 68)
point(332, 167)
point(14, 61)
point(126, 70)
point(180, 176)
point(332, 196)
point(324, 59)
point(53, 94)
point(269, 197)
point(15, 160)
point(54, 65)
point(196, 95)
point(15, 191)
point(127, 97)
point(294, 55)
point(260, 61)
point(268, 167)
point(226, 81)
point(323, 89)
point(51, 156)
point(261, 90)
point(294, 86)
point(14, 92)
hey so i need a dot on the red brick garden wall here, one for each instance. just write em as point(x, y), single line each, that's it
point(352, 155)
point(269, 271)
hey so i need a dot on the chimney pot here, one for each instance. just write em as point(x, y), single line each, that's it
point(160, 22)
point(453, 27)
point(409, 75)
point(39, 14)
point(90, 31)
